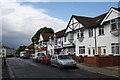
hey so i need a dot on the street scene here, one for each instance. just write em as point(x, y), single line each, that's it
point(59, 40)
point(26, 68)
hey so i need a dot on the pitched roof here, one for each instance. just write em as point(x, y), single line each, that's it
point(90, 21)
point(118, 9)
point(60, 33)
point(46, 36)
point(30, 46)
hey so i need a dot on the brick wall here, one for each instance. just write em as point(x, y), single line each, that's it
point(103, 60)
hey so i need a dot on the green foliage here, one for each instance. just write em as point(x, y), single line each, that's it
point(42, 30)
point(21, 48)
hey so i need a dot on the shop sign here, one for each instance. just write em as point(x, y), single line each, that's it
point(67, 45)
point(57, 47)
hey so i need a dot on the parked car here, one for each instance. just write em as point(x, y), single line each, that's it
point(62, 60)
point(24, 55)
point(38, 56)
point(47, 59)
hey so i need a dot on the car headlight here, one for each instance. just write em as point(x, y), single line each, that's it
point(62, 62)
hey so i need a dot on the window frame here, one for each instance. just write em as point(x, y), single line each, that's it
point(80, 33)
point(90, 32)
point(101, 30)
point(115, 48)
point(81, 49)
point(116, 23)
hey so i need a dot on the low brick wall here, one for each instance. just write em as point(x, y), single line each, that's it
point(103, 60)
point(77, 58)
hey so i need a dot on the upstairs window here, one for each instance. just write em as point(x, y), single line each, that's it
point(65, 39)
point(90, 32)
point(115, 24)
point(71, 36)
point(101, 30)
point(80, 33)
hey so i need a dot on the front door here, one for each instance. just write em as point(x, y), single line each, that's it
point(99, 50)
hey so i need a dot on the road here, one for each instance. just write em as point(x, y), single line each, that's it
point(26, 68)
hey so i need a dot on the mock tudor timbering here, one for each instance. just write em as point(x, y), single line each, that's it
point(86, 36)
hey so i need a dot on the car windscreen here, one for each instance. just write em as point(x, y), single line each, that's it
point(49, 56)
point(63, 57)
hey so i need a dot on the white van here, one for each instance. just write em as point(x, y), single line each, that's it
point(38, 56)
point(22, 53)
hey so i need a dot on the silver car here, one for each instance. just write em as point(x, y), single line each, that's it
point(62, 60)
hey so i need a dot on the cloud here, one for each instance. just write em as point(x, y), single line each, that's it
point(19, 23)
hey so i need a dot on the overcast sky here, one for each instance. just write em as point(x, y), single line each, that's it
point(20, 20)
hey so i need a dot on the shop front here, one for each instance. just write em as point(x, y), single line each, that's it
point(69, 49)
point(57, 49)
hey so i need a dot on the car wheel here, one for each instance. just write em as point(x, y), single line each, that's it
point(51, 65)
point(58, 66)
point(33, 60)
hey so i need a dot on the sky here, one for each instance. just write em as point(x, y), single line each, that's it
point(21, 19)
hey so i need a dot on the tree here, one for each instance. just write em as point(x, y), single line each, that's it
point(42, 30)
point(21, 48)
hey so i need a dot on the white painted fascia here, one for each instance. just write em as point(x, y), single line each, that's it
point(111, 10)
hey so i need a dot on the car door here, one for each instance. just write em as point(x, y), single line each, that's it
point(56, 60)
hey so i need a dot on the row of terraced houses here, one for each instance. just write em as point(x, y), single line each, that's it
point(89, 36)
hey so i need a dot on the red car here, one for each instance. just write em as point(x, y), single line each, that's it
point(46, 60)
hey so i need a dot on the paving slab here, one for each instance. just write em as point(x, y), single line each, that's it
point(100, 70)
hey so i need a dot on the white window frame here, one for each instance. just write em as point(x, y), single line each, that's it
point(90, 32)
point(101, 30)
point(115, 48)
point(81, 49)
point(80, 33)
point(116, 22)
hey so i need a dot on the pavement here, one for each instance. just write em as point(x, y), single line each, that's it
point(0, 68)
point(109, 71)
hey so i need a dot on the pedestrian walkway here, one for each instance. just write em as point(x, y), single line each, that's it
point(101, 70)
point(0, 68)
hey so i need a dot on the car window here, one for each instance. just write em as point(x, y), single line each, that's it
point(55, 57)
point(63, 57)
point(49, 56)
point(43, 56)
point(38, 54)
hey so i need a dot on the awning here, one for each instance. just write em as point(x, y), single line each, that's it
point(29, 50)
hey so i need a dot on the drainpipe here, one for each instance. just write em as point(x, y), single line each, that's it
point(95, 41)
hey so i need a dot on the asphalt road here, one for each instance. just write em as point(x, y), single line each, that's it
point(26, 68)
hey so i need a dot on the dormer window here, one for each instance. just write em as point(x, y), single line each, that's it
point(115, 24)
